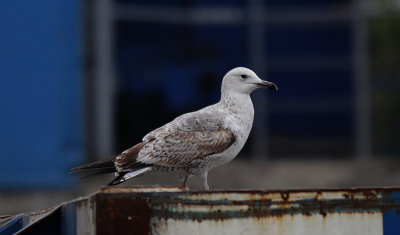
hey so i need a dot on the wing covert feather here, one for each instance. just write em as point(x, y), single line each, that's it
point(185, 149)
point(202, 120)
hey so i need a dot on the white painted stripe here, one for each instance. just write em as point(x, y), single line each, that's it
point(299, 224)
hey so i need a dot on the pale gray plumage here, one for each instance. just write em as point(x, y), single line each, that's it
point(193, 143)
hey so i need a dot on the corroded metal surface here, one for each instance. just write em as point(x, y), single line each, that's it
point(350, 224)
point(173, 210)
point(239, 204)
point(331, 211)
point(114, 215)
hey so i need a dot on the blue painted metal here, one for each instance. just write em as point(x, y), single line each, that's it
point(40, 89)
point(68, 220)
point(391, 218)
point(12, 226)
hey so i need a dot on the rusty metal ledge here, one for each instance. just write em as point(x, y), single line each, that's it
point(140, 210)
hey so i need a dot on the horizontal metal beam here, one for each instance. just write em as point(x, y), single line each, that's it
point(306, 62)
point(226, 15)
point(176, 211)
point(179, 15)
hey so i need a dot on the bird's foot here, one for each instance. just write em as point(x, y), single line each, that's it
point(185, 180)
point(205, 182)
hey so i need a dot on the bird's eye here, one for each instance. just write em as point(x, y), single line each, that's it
point(243, 76)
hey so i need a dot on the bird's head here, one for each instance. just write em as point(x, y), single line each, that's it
point(244, 81)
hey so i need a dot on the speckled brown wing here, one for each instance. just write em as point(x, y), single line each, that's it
point(184, 142)
point(185, 149)
point(127, 160)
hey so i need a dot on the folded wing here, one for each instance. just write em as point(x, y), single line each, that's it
point(178, 150)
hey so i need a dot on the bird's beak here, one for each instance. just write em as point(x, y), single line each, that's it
point(266, 84)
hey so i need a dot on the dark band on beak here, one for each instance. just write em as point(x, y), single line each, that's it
point(268, 85)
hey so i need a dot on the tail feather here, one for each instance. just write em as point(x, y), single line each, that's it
point(127, 175)
point(99, 167)
point(125, 165)
point(84, 175)
point(107, 166)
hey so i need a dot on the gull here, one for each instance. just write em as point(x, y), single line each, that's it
point(193, 143)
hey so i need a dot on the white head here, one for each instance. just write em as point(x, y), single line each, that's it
point(244, 81)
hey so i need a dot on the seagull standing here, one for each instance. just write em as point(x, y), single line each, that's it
point(193, 143)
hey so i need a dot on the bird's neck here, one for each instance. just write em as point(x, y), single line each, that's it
point(236, 102)
point(241, 111)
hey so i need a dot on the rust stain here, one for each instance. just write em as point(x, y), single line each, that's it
point(370, 194)
point(317, 195)
point(285, 195)
point(122, 215)
point(306, 213)
point(111, 205)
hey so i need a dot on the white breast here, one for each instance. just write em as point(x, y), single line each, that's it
point(239, 119)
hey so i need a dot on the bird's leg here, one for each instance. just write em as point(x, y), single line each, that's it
point(186, 179)
point(205, 183)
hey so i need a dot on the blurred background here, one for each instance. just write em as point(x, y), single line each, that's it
point(84, 80)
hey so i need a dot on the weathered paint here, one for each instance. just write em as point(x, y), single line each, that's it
point(173, 210)
point(292, 224)
point(68, 220)
point(12, 225)
point(85, 215)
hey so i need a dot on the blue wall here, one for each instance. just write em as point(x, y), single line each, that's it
point(40, 75)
